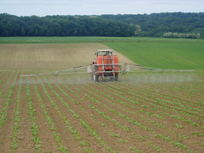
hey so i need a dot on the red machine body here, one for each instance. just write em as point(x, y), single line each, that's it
point(106, 65)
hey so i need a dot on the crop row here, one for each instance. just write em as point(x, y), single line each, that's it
point(84, 109)
point(139, 124)
point(52, 127)
point(159, 125)
point(5, 79)
point(168, 100)
point(181, 114)
point(109, 104)
point(128, 101)
point(178, 125)
point(176, 102)
point(8, 102)
point(69, 126)
point(83, 123)
point(32, 116)
point(115, 101)
point(17, 121)
point(184, 93)
point(142, 97)
point(103, 114)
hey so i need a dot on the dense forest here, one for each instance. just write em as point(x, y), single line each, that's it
point(62, 26)
point(157, 24)
point(188, 25)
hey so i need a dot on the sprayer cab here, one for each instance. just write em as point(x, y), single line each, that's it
point(106, 64)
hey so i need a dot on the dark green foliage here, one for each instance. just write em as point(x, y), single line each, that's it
point(157, 24)
point(62, 26)
point(154, 25)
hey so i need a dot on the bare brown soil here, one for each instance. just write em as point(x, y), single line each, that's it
point(49, 56)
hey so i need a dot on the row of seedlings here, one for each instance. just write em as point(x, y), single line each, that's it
point(8, 101)
point(158, 106)
point(80, 100)
point(104, 115)
point(17, 120)
point(76, 134)
point(91, 131)
point(51, 124)
point(32, 116)
point(133, 121)
point(96, 98)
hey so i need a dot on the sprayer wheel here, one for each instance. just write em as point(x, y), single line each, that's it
point(116, 77)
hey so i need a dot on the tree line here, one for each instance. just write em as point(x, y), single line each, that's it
point(156, 24)
point(188, 25)
point(11, 25)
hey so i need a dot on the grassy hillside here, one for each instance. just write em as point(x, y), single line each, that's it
point(164, 54)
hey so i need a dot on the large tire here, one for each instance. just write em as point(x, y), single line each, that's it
point(116, 77)
point(92, 77)
point(97, 78)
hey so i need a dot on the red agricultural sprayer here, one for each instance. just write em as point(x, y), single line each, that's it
point(106, 65)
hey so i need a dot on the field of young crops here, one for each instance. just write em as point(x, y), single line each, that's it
point(44, 111)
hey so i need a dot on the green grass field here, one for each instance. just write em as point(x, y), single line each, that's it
point(150, 52)
point(168, 55)
point(11, 40)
